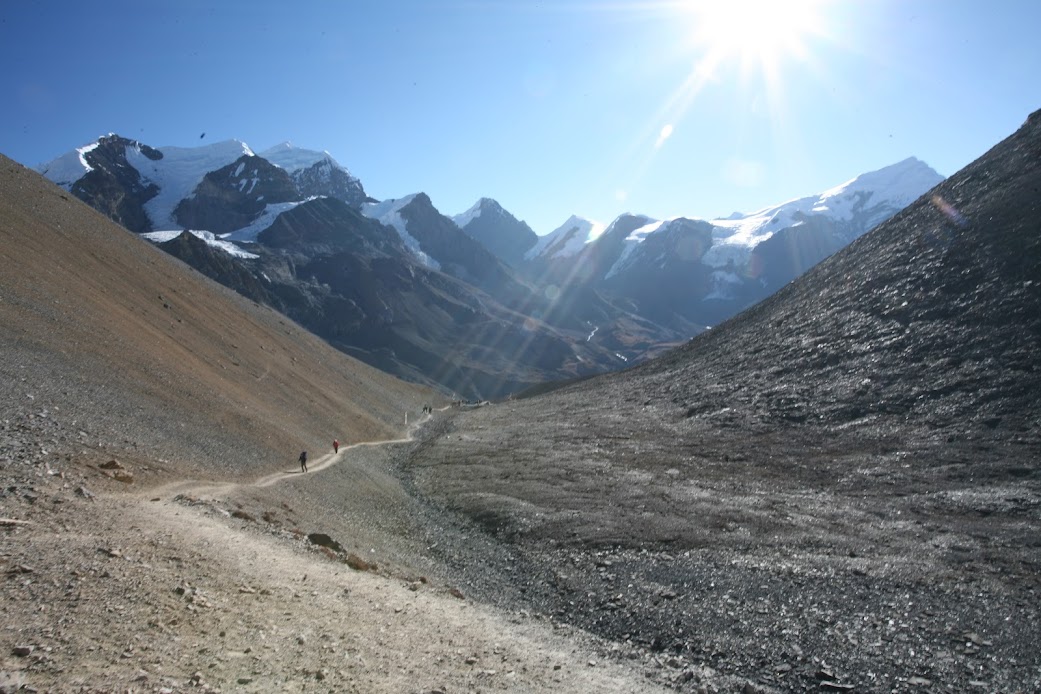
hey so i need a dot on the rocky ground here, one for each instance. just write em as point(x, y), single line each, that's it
point(874, 573)
point(122, 577)
point(170, 584)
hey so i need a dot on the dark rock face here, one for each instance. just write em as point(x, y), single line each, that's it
point(500, 232)
point(218, 265)
point(233, 196)
point(324, 179)
point(115, 188)
point(458, 254)
point(600, 256)
point(350, 280)
point(666, 277)
point(793, 250)
point(329, 224)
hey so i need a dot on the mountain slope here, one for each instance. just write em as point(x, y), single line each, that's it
point(115, 333)
point(153, 512)
point(868, 436)
point(497, 230)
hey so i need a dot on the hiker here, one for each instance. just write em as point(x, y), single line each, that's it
point(336, 446)
point(303, 462)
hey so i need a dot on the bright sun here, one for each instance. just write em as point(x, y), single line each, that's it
point(756, 33)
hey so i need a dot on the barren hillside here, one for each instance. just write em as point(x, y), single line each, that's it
point(840, 486)
point(156, 533)
point(155, 361)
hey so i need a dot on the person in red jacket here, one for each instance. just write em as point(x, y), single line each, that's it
point(336, 446)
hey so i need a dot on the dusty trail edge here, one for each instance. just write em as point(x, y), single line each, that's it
point(200, 487)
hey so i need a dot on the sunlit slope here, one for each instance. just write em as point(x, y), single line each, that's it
point(910, 358)
point(149, 357)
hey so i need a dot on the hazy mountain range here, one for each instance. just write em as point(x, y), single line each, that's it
point(476, 303)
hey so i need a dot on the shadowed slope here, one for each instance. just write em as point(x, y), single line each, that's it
point(152, 359)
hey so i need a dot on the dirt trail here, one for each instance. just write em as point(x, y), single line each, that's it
point(154, 590)
point(204, 488)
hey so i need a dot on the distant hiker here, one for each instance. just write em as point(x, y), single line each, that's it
point(303, 462)
point(336, 446)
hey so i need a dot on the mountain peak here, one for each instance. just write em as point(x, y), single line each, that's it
point(288, 156)
point(482, 206)
point(905, 180)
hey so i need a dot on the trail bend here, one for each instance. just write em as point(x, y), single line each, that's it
point(214, 488)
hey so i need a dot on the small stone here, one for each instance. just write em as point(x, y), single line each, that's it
point(919, 681)
point(244, 680)
point(23, 651)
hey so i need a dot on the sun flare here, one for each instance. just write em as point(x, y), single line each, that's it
point(757, 34)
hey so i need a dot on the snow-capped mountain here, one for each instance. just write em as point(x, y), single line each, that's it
point(566, 240)
point(100, 175)
point(177, 172)
point(388, 213)
point(689, 272)
point(164, 183)
point(855, 206)
point(411, 290)
point(317, 173)
point(498, 230)
point(439, 243)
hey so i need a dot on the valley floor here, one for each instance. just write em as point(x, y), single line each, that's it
point(215, 586)
point(166, 584)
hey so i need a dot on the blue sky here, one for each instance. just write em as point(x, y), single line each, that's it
point(552, 108)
